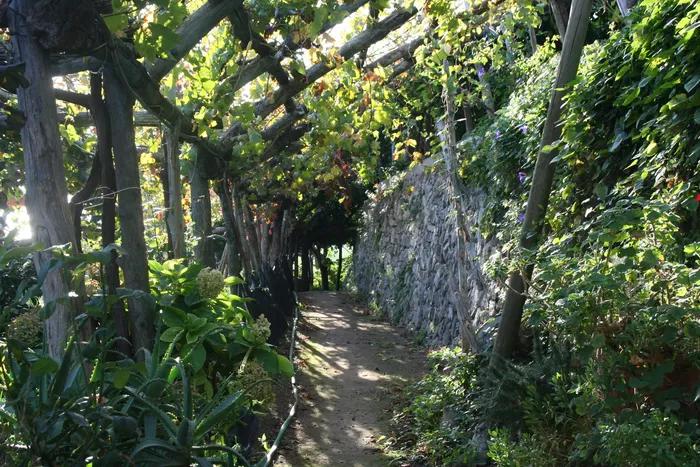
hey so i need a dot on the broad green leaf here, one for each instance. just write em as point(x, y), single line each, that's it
point(121, 377)
point(166, 37)
point(170, 334)
point(196, 357)
point(44, 365)
point(116, 22)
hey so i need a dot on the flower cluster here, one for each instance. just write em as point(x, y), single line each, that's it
point(255, 382)
point(260, 329)
point(26, 328)
point(210, 283)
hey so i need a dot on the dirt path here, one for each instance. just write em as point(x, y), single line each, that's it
point(349, 364)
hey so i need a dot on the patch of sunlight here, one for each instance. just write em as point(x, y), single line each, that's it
point(18, 221)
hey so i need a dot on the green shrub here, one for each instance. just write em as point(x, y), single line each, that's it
point(528, 451)
point(656, 439)
point(26, 328)
point(209, 368)
point(608, 372)
point(441, 411)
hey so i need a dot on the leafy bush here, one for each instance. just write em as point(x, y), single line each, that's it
point(183, 404)
point(529, 450)
point(655, 439)
point(17, 283)
point(26, 328)
point(441, 414)
point(609, 369)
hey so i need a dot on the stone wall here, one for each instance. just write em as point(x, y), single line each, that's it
point(406, 258)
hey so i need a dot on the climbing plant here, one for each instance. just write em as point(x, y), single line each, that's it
point(183, 166)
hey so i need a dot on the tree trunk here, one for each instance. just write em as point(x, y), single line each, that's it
point(45, 182)
point(486, 94)
point(448, 138)
point(560, 11)
point(231, 259)
point(542, 179)
point(306, 273)
point(263, 232)
point(533, 39)
point(175, 217)
point(247, 233)
point(338, 276)
point(134, 263)
point(201, 216)
point(109, 212)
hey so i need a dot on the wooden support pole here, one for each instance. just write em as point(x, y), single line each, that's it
point(542, 179)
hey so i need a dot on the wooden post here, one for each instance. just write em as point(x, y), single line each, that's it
point(120, 103)
point(625, 6)
point(533, 39)
point(165, 189)
point(560, 11)
point(175, 217)
point(44, 175)
point(486, 94)
point(542, 179)
point(201, 214)
point(306, 271)
point(340, 267)
point(234, 233)
point(448, 137)
point(109, 209)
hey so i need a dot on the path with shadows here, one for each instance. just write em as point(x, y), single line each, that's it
point(349, 366)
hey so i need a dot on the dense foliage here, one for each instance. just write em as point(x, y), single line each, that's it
point(188, 401)
point(608, 367)
point(609, 373)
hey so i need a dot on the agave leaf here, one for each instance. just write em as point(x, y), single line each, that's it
point(150, 443)
point(217, 414)
point(160, 414)
point(203, 462)
point(66, 373)
point(185, 433)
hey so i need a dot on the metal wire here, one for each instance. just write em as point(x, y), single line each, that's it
point(293, 409)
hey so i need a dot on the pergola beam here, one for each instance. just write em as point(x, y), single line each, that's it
point(190, 32)
point(264, 64)
point(371, 35)
point(403, 52)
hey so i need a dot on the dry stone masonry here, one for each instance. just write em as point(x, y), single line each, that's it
point(406, 258)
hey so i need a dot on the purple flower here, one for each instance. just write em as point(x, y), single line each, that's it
point(523, 128)
point(521, 177)
point(498, 134)
point(480, 72)
point(521, 218)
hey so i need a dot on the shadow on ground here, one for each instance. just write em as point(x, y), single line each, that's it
point(349, 365)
